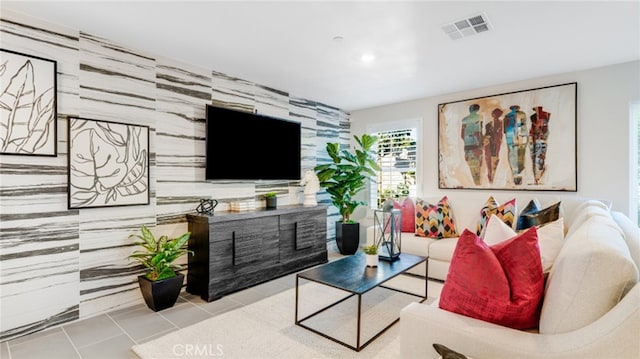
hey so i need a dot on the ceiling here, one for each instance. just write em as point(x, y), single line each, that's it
point(291, 45)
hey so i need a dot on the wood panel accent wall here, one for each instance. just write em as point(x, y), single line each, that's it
point(59, 265)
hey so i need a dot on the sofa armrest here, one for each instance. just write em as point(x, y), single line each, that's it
point(612, 336)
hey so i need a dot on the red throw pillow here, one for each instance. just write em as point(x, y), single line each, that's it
point(408, 210)
point(501, 284)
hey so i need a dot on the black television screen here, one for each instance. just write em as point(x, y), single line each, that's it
point(246, 146)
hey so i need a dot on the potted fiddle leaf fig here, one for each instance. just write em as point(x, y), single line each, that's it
point(161, 284)
point(343, 179)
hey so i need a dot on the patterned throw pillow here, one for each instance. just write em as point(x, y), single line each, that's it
point(501, 284)
point(506, 212)
point(532, 207)
point(408, 210)
point(538, 217)
point(435, 221)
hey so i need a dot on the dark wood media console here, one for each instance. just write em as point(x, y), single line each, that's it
point(236, 250)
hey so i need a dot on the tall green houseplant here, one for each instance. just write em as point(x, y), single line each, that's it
point(346, 176)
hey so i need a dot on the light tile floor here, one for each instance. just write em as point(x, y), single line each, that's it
point(111, 335)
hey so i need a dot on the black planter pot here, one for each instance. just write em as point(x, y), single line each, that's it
point(347, 237)
point(272, 202)
point(161, 294)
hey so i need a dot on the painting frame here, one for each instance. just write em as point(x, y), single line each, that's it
point(28, 105)
point(108, 164)
point(522, 140)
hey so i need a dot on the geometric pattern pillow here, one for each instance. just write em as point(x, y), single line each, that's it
point(501, 284)
point(506, 212)
point(538, 217)
point(408, 210)
point(435, 221)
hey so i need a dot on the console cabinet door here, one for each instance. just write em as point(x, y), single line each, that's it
point(238, 247)
point(301, 234)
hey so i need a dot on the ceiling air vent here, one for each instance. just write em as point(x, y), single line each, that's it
point(466, 27)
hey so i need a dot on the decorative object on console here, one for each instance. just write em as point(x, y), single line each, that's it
point(522, 140)
point(506, 211)
point(29, 112)
point(161, 285)
point(501, 284)
point(388, 233)
point(272, 200)
point(207, 206)
point(108, 164)
point(343, 179)
point(371, 253)
point(435, 221)
point(246, 205)
point(311, 187)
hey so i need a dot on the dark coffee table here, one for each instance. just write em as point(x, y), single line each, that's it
point(352, 275)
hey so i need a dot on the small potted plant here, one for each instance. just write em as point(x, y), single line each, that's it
point(161, 285)
point(371, 254)
point(272, 200)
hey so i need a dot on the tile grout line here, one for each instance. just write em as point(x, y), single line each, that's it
point(121, 328)
point(8, 349)
point(71, 341)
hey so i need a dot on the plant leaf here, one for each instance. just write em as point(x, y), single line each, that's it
point(16, 106)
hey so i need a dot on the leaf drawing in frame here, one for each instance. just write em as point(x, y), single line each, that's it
point(108, 164)
point(27, 105)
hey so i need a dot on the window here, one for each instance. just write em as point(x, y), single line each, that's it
point(397, 152)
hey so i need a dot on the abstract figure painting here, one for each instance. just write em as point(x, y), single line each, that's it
point(524, 140)
point(27, 105)
point(108, 164)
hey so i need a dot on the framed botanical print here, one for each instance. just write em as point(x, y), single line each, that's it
point(523, 140)
point(108, 164)
point(28, 107)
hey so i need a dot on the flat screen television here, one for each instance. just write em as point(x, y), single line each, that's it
point(247, 146)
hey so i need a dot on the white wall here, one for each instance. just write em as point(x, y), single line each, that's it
point(604, 97)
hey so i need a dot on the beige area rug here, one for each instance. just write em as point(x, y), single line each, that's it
point(266, 329)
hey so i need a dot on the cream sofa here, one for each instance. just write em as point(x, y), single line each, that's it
point(466, 213)
point(591, 305)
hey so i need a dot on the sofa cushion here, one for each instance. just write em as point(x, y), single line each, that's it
point(505, 211)
point(584, 211)
point(591, 274)
point(502, 284)
point(408, 210)
point(550, 238)
point(442, 249)
point(538, 217)
point(435, 221)
point(497, 231)
point(631, 235)
point(531, 207)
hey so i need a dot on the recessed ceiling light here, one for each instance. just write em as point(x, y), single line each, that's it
point(367, 57)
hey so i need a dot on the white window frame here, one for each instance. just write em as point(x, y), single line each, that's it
point(395, 125)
